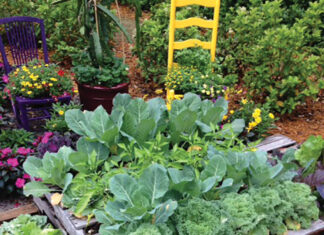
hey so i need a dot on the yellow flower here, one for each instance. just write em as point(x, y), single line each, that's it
point(256, 113)
point(17, 70)
point(203, 91)
point(145, 96)
point(43, 82)
point(61, 112)
point(50, 84)
point(207, 92)
point(24, 68)
point(257, 110)
point(39, 66)
point(258, 120)
point(271, 116)
point(53, 79)
point(254, 149)
point(225, 117)
point(46, 65)
point(244, 101)
point(205, 86)
point(29, 92)
point(22, 89)
point(76, 91)
point(240, 91)
point(168, 106)
point(232, 112)
point(159, 91)
point(34, 67)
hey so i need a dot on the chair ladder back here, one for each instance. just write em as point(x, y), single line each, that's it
point(194, 21)
point(22, 40)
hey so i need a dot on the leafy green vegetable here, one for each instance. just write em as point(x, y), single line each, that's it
point(310, 150)
point(198, 216)
point(52, 169)
point(27, 225)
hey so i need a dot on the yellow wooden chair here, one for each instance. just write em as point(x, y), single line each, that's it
point(194, 21)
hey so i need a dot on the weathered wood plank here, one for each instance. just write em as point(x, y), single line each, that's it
point(274, 142)
point(46, 208)
point(64, 219)
point(13, 213)
point(317, 226)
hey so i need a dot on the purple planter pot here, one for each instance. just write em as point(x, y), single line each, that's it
point(23, 105)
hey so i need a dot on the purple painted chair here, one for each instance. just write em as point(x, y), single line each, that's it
point(22, 41)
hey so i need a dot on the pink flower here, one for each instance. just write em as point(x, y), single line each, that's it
point(17, 204)
point(26, 176)
point(6, 151)
point(1, 65)
point(20, 183)
point(38, 179)
point(1, 117)
point(1, 164)
point(46, 137)
point(13, 162)
point(5, 79)
point(23, 151)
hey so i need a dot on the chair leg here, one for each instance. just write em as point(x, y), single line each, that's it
point(23, 116)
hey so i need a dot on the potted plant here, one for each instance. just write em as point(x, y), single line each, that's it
point(38, 80)
point(99, 74)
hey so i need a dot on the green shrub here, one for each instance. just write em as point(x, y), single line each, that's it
point(15, 138)
point(278, 63)
point(282, 71)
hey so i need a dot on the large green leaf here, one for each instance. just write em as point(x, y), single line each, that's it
point(110, 136)
point(97, 47)
point(123, 187)
point(192, 101)
point(88, 147)
point(115, 209)
point(121, 101)
point(79, 161)
point(140, 109)
point(164, 211)
point(184, 123)
point(154, 182)
point(115, 19)
point(100, 121)
point(77, 122)
point(215, 167)
point(311, 149)
point(185, 175)
point(83, 202)
point(32, 165)
point(35, 188)
point(145, 130)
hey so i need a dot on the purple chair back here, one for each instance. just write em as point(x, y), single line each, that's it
point(21, 36)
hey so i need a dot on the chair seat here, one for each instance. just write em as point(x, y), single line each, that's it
point(23, 106)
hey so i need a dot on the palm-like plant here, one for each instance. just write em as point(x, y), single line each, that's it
point(95, 25)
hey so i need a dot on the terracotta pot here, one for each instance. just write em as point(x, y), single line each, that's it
point(92, 97)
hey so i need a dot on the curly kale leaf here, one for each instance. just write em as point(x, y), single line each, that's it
point(150, 229)
point(202, 217)
point(304, 209)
